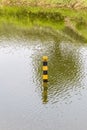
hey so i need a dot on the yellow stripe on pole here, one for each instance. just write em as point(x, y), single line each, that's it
point(45, 68)
point(45, 76)
point(45, 58)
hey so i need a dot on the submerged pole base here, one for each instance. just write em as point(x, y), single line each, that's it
point(45, 80)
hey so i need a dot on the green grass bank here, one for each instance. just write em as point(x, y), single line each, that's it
point(67, 16)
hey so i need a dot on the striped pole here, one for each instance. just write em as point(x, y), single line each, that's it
point(45, 69)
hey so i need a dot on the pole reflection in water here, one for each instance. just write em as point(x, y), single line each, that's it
point(45, 92)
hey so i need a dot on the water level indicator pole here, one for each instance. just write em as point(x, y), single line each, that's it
point(45, 69)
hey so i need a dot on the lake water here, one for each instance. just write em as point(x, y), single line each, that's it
point(24, 104)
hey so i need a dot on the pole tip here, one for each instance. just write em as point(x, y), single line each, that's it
point(45, 58)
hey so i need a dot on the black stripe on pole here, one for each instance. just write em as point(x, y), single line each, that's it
point(45, 80)
point(45, 72)
point(45, 69)
point(44, 63)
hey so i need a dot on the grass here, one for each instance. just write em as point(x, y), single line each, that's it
point(55, 18)
point(31, 16)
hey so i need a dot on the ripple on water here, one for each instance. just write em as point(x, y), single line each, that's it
point(25, 104)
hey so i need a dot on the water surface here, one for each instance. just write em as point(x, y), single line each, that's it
point(25, 104)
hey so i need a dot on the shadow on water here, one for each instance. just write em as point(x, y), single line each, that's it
point(63, 69)
point(74, 35)
point(63, 66)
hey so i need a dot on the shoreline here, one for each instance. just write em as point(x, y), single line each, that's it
point(55, 18)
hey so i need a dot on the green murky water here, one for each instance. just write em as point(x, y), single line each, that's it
point(24, 103)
